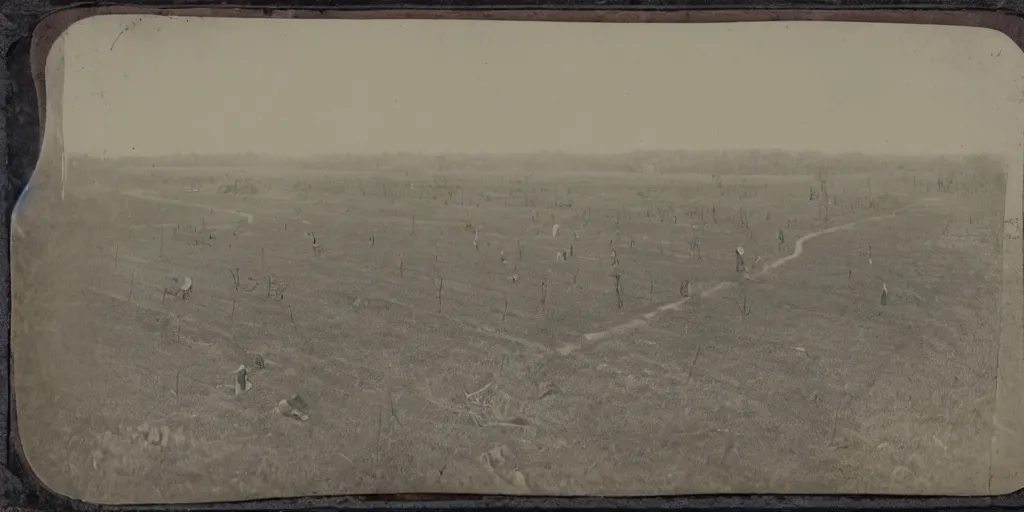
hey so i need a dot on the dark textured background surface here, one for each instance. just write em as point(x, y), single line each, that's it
point(22, 130)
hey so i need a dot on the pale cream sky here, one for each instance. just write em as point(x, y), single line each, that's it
point(297, 87)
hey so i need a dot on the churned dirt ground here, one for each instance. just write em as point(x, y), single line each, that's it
point(442, 346)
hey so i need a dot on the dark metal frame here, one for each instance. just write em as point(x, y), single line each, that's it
point(28, 23)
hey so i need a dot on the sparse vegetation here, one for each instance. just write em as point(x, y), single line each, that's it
point(422, 349)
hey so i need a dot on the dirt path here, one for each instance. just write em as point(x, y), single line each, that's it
point(798, 250)
point(139, 195)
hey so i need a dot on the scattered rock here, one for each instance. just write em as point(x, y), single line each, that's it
point(547, 389)
point(292, 408)
point(297, 401)
point(518, 479)
point(241, 380)
point(901, 477)
point(180, 287)
point(495, 457)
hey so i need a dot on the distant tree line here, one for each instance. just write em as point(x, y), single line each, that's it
point(658, 162)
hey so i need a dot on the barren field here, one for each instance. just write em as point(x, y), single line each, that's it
point(443, 345)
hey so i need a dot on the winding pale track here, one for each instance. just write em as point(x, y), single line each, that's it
point(798, 250)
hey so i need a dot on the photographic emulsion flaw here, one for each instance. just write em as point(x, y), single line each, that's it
point(267, 258)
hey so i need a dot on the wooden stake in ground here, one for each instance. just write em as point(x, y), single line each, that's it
point(291, 318)
point(885, 294)
point(618, 289)
point(693, 365)
point(746, 306)
point(131, 287)
point(318, 249)
point(440, 286)
point(684, 288)
point(740, 264)
point(543, 293)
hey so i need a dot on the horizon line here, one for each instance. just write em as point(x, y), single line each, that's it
point(513, 154)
